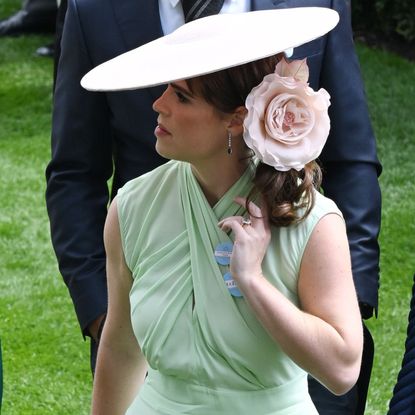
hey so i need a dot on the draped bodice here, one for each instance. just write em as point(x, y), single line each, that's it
point(190, 328)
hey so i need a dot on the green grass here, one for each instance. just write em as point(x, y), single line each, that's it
point(46, 362)
point(390, 85)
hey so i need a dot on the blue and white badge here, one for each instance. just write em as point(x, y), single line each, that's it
point(223, 253)
point(231, 285)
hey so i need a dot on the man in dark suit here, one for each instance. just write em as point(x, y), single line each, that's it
point(97, 135)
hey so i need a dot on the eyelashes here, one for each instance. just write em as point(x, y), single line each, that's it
point(181, 97)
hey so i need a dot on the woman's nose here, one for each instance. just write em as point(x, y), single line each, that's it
point(159, 104)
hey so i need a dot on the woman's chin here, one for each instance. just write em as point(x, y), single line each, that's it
point(163, 151)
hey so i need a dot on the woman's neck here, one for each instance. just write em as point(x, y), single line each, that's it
point(216, 180)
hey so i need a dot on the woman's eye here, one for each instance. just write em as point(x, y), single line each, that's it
point(181, 97)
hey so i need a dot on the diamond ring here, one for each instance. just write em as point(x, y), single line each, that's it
point(246, 222)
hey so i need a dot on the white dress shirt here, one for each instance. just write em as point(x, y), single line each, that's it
point(171, 12)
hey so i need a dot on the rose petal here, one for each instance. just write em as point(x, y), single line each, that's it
point(287, 122)
point(297, 69)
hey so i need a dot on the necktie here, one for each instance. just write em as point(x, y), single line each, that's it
point(194, 9)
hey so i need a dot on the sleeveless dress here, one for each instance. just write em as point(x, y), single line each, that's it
point(207, 352)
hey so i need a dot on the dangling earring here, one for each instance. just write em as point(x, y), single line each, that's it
point(229, 143)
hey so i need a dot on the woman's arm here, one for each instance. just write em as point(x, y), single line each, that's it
point(121, 366)
point(324, 337)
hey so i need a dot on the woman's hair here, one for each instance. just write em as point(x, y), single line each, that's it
point(288, 195)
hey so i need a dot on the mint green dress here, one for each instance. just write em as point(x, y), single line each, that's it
point(207, 352)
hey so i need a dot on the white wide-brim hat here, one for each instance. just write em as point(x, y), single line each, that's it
point(211, 44)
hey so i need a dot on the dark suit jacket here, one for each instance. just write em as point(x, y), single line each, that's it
point(97, 134)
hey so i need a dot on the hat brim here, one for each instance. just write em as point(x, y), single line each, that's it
point(211, 44)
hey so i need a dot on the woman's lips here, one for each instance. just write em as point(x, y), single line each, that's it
point(161, 130)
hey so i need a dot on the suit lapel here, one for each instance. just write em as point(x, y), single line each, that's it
point(267, 4)
point(138, 21)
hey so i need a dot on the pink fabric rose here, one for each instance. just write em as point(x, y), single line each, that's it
point(287, 123)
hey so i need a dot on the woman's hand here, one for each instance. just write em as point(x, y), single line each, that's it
point(250, 244)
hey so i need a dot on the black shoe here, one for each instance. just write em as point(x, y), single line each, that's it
point(47, 51)
point(23, 22)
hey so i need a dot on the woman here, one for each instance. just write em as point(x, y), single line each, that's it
point(229, 275)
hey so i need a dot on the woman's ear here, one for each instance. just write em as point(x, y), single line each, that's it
point(237, 120)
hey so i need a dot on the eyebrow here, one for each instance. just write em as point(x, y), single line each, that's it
point(184, 90)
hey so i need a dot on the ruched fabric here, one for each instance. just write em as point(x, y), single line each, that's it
point(207, 352)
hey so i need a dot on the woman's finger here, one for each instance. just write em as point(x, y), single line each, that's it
point(234, 223)
point(239, 219)
point(258, 216)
